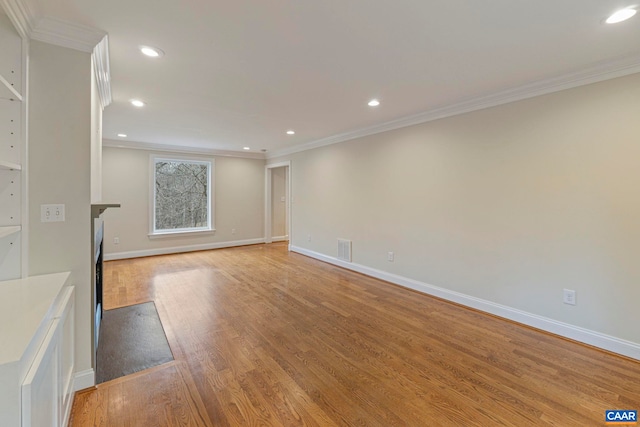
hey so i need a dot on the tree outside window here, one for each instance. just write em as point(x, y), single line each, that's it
point(182, 192)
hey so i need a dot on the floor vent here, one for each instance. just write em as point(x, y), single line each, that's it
point(344, 250)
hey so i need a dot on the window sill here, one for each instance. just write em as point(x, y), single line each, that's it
point(181, 233)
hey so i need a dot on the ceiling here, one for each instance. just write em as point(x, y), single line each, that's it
point(241, 73)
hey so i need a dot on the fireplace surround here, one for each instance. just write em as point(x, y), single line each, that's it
point(97, 256)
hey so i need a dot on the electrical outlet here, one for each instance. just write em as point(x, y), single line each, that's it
point(52, 213)
point(309, 238)
point(569, 296)
point(390, 256)
point(233, 231)
point(116, 240)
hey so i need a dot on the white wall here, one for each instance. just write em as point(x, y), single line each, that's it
point(59, 172)
point(278, 202)
point(238, 197)
point(509, 204)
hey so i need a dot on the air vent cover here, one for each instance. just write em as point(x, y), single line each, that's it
point(344, 250)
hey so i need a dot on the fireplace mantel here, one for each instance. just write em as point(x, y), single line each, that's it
point(98, 208)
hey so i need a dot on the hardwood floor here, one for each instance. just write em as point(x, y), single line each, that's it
point(261, 336)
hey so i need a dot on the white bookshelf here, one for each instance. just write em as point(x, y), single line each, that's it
point(5, 165)
point(12, 152)
point(7, 90)
point(8, 230)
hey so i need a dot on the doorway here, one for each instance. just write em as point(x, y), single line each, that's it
point(278, 202)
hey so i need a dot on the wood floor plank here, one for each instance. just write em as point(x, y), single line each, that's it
point(262, 336)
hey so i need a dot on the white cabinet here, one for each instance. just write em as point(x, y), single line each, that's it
point(47, 390)
point(12, 151)
point(40, 393)
point(67, 356)
point(37, 351)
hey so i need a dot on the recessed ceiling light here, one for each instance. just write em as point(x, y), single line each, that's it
point(246, 148)
point(621, 15)
point(291, 132)
point(152, 52)
point(137, 103)
point(374, 103)
point(122, 135)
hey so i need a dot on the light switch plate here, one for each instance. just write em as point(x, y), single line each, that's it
point(51, 213)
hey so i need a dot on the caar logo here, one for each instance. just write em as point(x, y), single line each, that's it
point(621, 416)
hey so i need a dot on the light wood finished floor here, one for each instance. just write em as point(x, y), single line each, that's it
point(266, 337)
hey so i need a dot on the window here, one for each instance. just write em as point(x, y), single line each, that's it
point(181, 192)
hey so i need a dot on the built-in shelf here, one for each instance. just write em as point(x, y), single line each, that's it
point(7, 91)
point(9, 165)
point(13, 179)
point(8, 230)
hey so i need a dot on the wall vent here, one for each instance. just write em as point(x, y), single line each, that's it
point(344, 250)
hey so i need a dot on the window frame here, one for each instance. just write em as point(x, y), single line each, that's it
point(210, 228)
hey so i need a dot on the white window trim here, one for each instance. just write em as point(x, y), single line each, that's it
point(179, 232)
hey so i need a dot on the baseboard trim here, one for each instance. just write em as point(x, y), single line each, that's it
point(280, 239)
point(66, 417)
point(586, 336)
point(180, 249)
point(84, 379)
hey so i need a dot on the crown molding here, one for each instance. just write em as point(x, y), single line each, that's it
point(30, 24)
point(102, 71)
point(148, 146)
point(597, 72)
point(66, 34)
point(22, 16)
point(28, 21)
